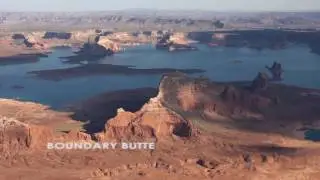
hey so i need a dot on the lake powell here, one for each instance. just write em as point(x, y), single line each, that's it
point(223, 64)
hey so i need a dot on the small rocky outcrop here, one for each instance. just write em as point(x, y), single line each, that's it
point(105, 42)
point(218, 24)
point(125, 126)
point(230, 94)
point(16, 136)
point(93, 48)
point(27, 41)
point(164, 42)
point(276, 71)
point(31, 41)
point(260, 82)
point(108, 44)
point(76, 135)
point(174, 42)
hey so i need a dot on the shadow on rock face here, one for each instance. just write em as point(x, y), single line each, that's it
point(183, 131)
point(271, 149)
point(57, 35)
point(97, 110)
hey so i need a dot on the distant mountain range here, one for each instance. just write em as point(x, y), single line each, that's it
point(157, 19)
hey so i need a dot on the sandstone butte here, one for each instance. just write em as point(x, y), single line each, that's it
point(203, 130)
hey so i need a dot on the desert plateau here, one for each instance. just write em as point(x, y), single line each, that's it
point(160, 94)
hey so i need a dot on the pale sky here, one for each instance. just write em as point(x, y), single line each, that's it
point(216, 5)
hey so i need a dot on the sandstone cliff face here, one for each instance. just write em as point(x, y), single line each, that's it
point(30, 40)
point(154, 120)
point(179, 95)
point(200, 95)
point(96, 44)
point(190, 97)
point(174, 42)
point(75, 135)
point(125, 126)
point(178, 38)
point(129, 39)
point(163, 121)
point(82, 36)
point(109, 44)
point(16, 136)
point(45, 40)
point(35, 40)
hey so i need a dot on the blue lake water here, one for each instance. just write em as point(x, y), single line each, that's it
point(302, 68)
point(313, 135)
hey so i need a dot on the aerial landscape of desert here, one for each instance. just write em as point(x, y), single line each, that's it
point(160, 91)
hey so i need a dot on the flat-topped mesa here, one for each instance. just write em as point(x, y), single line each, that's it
point(276, 71)
point(200, 95)
point(184, 92)
point(167, 114)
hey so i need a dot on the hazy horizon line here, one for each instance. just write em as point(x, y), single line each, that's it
point(174, 10)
